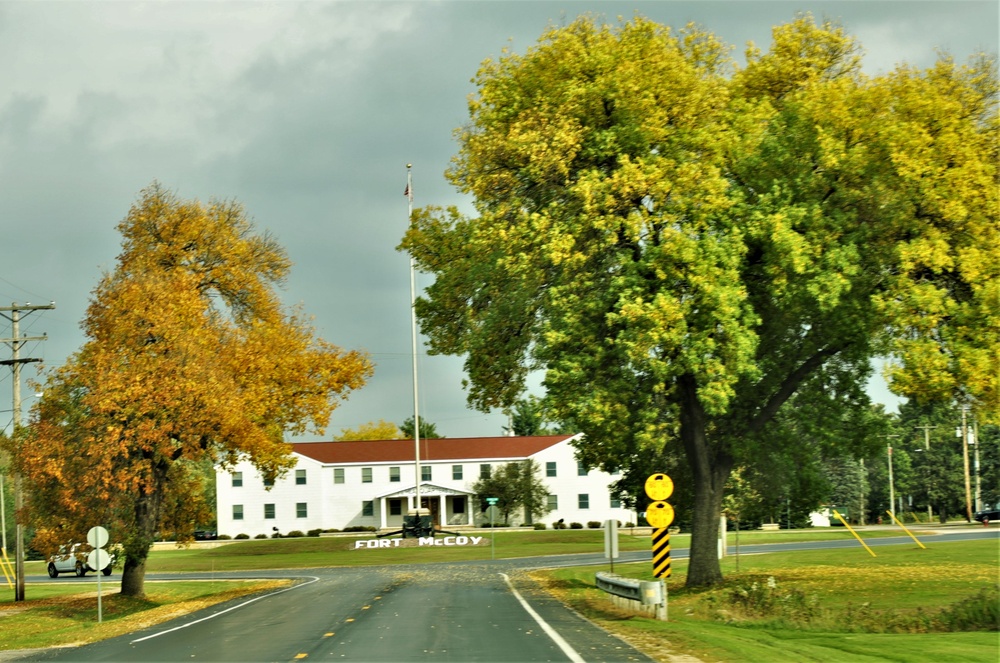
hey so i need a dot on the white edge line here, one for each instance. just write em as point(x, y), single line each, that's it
point(551, 632)
point(230, 609)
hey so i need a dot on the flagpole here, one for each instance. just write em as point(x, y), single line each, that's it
point(413, 336)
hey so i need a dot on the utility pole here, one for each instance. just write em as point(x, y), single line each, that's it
point(16, 342)
point(965, 461)
point(927, 448)
point(975, 442)
point(892, 489)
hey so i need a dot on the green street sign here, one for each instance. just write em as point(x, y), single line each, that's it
point(492, 500)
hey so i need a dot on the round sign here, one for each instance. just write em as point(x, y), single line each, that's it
point(97, 537)
point(98, 559)
point(659, 514)
point(659, 487)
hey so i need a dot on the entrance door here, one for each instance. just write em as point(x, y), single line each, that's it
point(434, 505)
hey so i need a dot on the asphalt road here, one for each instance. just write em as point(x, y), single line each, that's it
point(473, 611)
point(440, 612)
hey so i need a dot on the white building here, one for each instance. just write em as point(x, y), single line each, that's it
point(335, 485)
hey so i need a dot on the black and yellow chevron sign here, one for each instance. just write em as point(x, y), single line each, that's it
point(661, 553)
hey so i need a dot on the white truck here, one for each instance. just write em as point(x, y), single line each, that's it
point(72, 558)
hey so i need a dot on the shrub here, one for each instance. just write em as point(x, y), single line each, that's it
point(539, 525)
point(294, 534)
point(629, 524)
point(575, 526)
point(980, 612)
point(360, 528)
point(314, 532)
point(241, 535)
point(331, 531)
point(224, 537)
point(261, 536)
point(559, 525)
point(593, 524)
point(276, 535)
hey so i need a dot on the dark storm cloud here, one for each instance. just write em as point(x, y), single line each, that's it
point(307, 114)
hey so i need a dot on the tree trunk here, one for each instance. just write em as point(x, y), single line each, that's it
point(147, 519)
point(134, 578)
point(710, 468)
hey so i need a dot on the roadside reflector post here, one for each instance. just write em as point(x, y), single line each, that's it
point(659, 515)
point(841, 519)
point(906, 530)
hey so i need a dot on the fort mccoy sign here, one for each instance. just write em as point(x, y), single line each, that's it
point(448, 541)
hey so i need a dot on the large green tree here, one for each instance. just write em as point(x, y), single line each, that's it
point(697, 253)
point(190, 359)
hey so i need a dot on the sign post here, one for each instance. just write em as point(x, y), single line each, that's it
point(611, 541)
point(98, 558)
point(659, 515)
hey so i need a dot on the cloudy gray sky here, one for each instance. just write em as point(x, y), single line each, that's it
point(306, 112)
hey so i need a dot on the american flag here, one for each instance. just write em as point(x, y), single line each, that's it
point(408, 192)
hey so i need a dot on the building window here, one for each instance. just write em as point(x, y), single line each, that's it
point(581, 469)
point(395, 507)
point(237, 512)
point(484, 471)
point(338, 475)
point(300, 477)
point(456, 472)
point(425, 472)
point(301, 510)
point(268, 483)
point(458, 504)
point(366, 475)
point(583, 501)
point(550, 469)
point(368, 508)
point(269, 512)
point(237, 479)
point(616, 503)
point(552, 502)
point(394, 474)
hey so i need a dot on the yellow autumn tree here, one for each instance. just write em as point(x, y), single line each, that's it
point(373, 430)
point(190, 357)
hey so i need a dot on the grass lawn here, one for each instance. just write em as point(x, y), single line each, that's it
point(315, 552)
point(54, 614)
point(821, 606)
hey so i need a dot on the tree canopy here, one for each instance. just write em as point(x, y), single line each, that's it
point(428, 430)
point(373, 430)
point(516, 485)
point(707, 257)
point(190, 356)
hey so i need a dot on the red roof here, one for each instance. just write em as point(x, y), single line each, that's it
point(440, 449)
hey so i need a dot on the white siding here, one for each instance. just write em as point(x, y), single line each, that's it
point(337, 506)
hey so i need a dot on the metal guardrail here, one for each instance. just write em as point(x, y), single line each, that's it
point(646, 592)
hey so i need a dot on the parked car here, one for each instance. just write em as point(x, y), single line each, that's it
point(205, 535)
point(73, 559)
point(985, 517)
